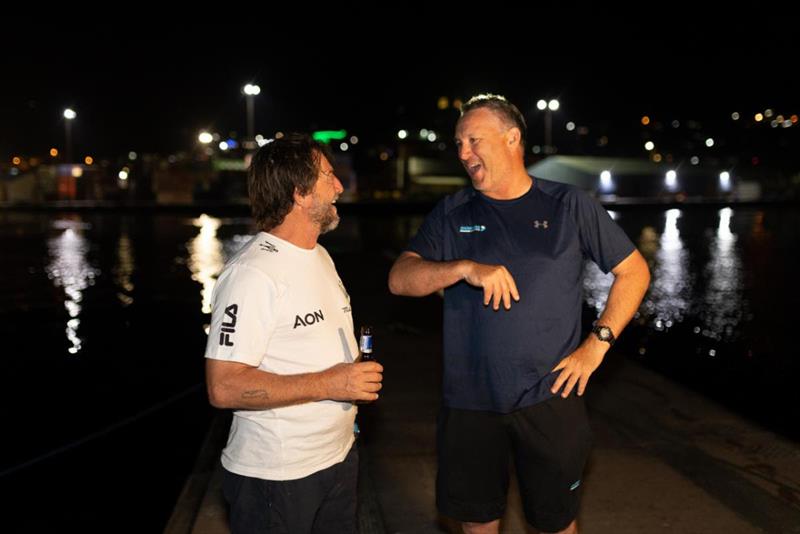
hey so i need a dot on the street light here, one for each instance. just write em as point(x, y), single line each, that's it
point(69, 116)
point(251, 90)
point(548, 108)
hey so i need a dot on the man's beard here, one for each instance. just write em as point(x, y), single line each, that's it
point(325, 215)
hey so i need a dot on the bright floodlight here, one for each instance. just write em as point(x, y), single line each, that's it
point(205, 138)
point(725, 181)
point(710, 142)
point(541, 104)
point(402, 134)
point(649, 146)
point(251, 89)
point(70, 114)
point(606, 184)
point(553, 105)
point(671, 180)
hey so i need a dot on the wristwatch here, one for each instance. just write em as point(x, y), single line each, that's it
point(604, 333)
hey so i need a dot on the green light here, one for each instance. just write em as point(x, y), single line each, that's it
point(325, 136)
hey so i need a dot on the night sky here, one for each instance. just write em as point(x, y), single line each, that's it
point(152, 88)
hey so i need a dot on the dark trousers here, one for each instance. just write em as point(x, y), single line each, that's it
point(323, 502)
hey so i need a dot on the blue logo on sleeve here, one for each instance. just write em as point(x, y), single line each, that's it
point(473, 228)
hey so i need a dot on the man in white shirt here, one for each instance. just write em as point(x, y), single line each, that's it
point(282, 354)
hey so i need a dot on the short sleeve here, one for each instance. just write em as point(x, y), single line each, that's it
point(429, 239)
point(243, 315)
point(601, 238)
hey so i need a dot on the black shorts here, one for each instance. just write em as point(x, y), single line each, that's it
point(550, 442)
point(323, 502)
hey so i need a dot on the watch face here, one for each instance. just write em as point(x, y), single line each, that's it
point(604, 333)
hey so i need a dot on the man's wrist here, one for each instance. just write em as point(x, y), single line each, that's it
point(604, 333)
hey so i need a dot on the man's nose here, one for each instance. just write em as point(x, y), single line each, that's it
point(464, 152)
point(338, 187)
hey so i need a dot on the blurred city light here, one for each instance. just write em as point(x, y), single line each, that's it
point(326, 136)
point(250, 91)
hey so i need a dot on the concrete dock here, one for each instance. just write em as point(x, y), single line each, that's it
point(665, 459)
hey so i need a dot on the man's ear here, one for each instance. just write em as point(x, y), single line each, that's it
point(300, 199)
point(514, 136)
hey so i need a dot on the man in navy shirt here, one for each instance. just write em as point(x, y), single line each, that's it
point(509, 253)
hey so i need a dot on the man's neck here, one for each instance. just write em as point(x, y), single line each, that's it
point(516, 186)
point(297, 231)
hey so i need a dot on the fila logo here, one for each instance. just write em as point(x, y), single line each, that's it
point(229, 326)
point(266, 246)
point(308, 319)
point(540, 224)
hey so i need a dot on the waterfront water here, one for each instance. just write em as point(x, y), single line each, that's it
point(103, 325)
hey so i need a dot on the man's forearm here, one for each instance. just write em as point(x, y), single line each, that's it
point(254, 389)
point(412, 276)
point(627, 291)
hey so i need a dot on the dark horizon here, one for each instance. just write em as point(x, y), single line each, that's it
point(154, 90)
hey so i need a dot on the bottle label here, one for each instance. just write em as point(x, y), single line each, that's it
point(365, 345)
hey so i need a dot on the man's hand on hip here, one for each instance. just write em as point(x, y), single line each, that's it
point(579, 366)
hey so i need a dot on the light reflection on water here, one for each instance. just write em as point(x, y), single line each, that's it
point(208, 254)
point(671, 287)
point(205, 257)
point(672, 296)
point(123, 270)
point(70, 270)
point(722, 301)
point(711, 293)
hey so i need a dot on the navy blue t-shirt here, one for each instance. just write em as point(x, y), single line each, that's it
point(501, 360)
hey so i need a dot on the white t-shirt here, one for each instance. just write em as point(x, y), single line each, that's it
point(284, 309)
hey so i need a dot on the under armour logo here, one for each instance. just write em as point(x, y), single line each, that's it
point(540, 224)
point(267, 246)
point(229, 326)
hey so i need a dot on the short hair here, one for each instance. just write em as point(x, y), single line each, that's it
point(278, 169)
point(508, 112)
